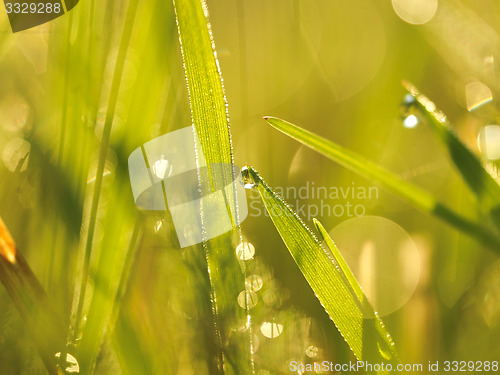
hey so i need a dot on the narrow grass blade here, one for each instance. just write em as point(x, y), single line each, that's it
point(477, 178)
point(31, 301)
point(210, 118)
point(334, 286)
point(103, 152)
point(339, 259)
point(206, 93)
point(417, 197)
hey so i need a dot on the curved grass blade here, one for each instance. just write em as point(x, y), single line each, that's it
point(335, 288)
point(477, 178)
point(417, 197)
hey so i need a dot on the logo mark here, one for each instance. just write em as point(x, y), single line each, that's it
point(204, 200)
point(25, 14)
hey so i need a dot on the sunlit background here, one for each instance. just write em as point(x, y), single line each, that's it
point(333, 67)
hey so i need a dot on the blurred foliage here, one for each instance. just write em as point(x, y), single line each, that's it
point(335, 66)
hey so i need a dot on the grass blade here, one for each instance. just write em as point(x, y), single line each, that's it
point(339, 259)
point(477, 178)
point(332, 282)
point(31, 301)
point(103, 151)
point(204, 80)
point(210, 118)
point(417, 197)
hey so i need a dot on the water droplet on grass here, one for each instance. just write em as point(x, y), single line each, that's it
point(409, 111)
point(162, 168)
point(245, 251)
point(312, 351)
point(247, 299)
point(71, 365)
point(254, 283)
point(271, 330)
point(249, 183)
point(410, 121)
point(15, 154)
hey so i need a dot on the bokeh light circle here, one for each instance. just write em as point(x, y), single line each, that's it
point(488, 141)
point(416, 12)
point(383, 258)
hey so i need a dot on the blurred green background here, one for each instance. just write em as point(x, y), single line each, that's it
point(332, 67)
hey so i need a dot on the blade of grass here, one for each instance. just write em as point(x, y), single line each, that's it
point(204, 80)
point(210, 117)
point(334, 286)
point(417, 197)
point(339, 259)
point(106, 134)
point(470, 167)
point(31, 301)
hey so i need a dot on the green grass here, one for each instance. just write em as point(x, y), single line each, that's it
point(97, 278)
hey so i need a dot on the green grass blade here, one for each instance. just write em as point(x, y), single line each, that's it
point(340, 260)
point(103, 152)
point(417, 197)
point(477, 178)
point(210, 118)
point(30, 299)
point(335, 288)
point(206, 92)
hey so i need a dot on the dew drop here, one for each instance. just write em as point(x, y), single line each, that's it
point(254, 283)
point(271, 330)
point(245, 251)
point(15, 154)
point(409, 99)
point(72, 366)
point(312, 351)
point(158, 225)
point(249, 183)
point(162, 168)
point(409, 112)
point(247, 299)
point(410, 122)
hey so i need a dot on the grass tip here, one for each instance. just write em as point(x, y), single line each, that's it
point(7, 244)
